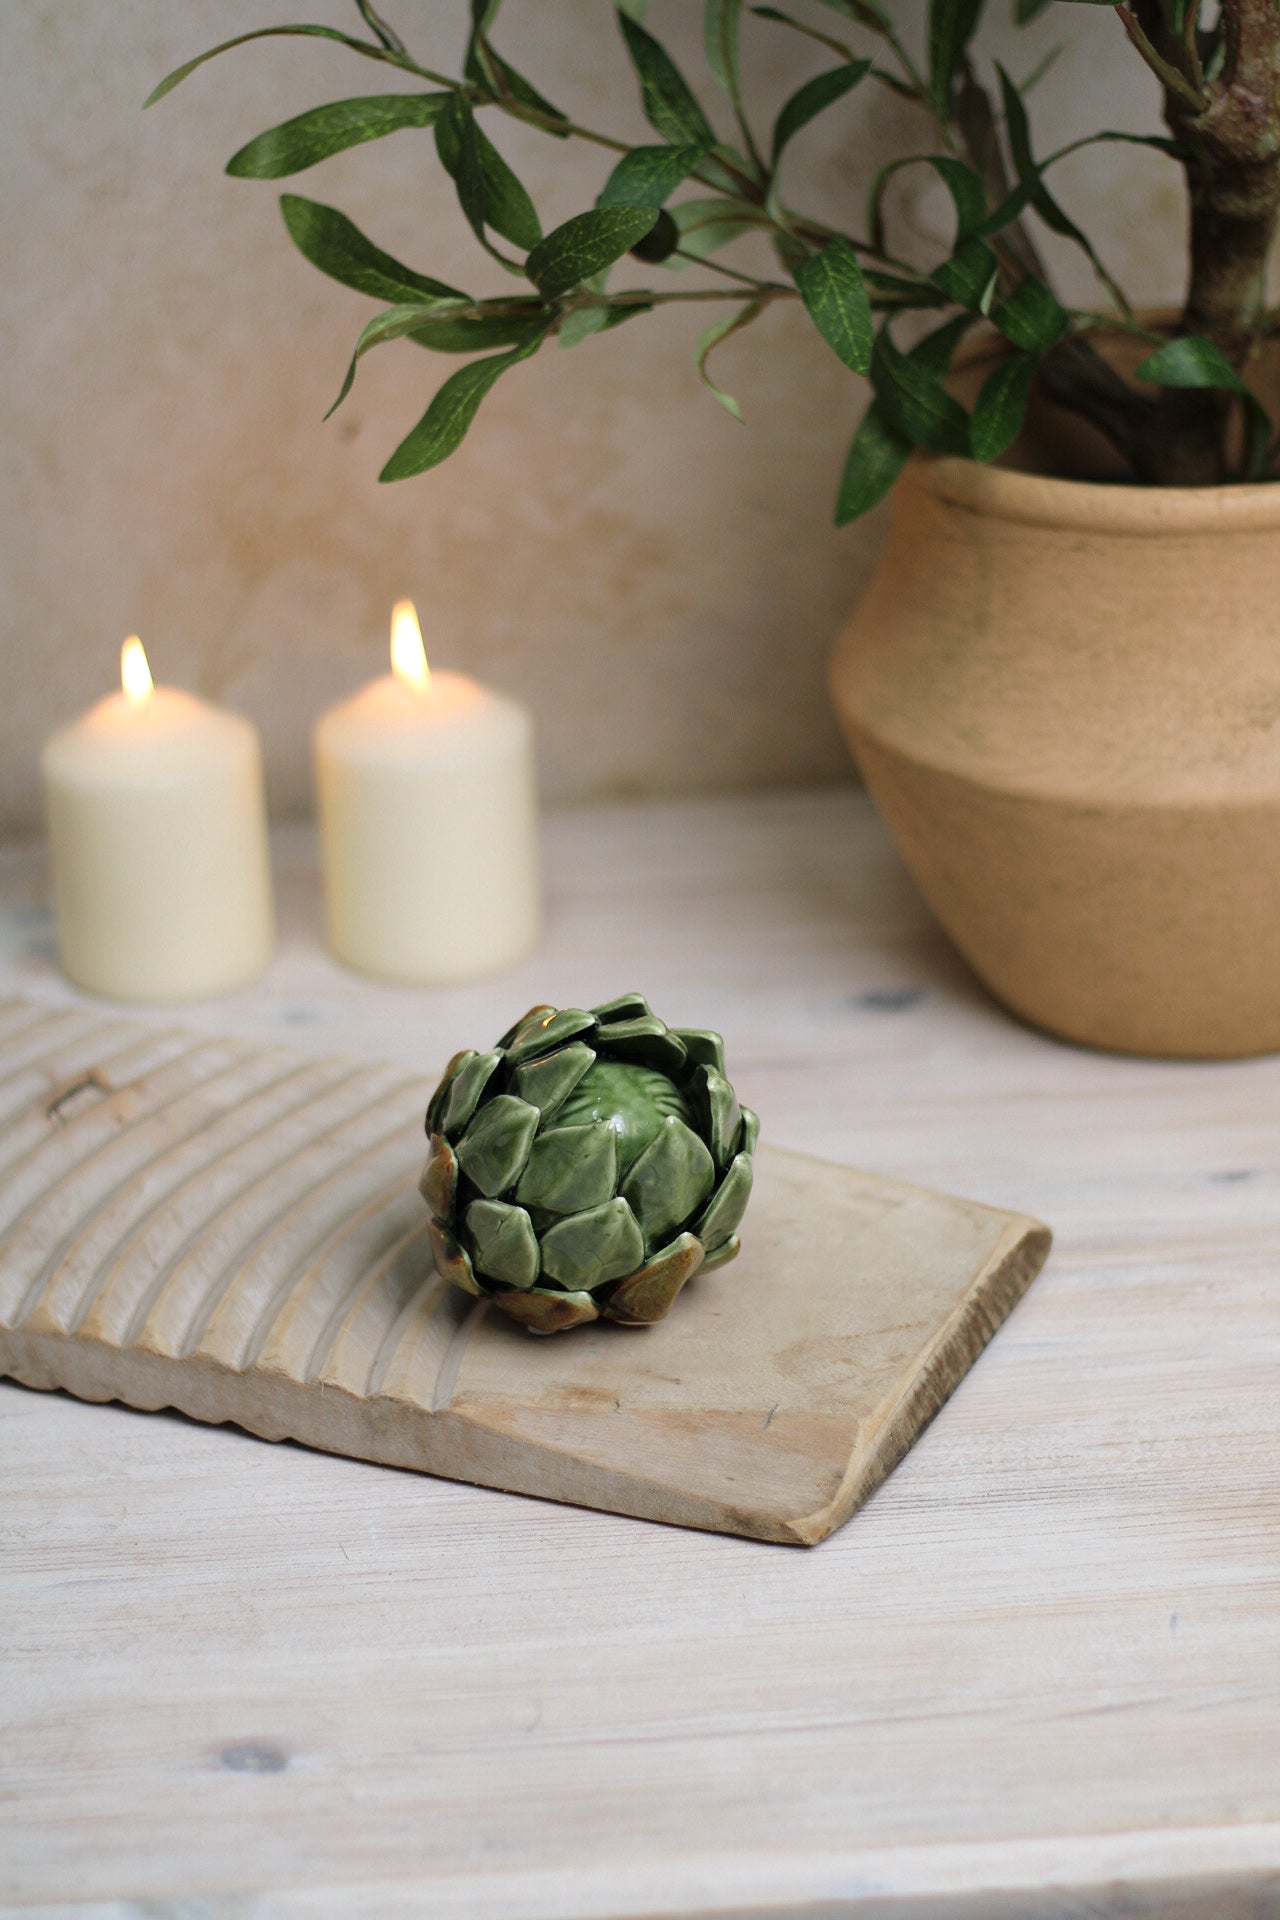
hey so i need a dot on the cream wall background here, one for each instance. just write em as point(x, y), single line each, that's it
point(660, 583)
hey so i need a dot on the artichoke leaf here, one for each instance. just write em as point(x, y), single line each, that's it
point(628, 1006)
point(704, 1048)
point(436, 1105)
point(724, 1215)
point(646, 1039)
point(548, 1081)
point(718, 1114)
point(506, 1246)
point(545, 1312)
point(452, 1260)
point(588, 1248)
point(570, 1168)
point(540, 1034)
point(727, 1250)
point(465, 1089)
point(669, 1182)
point(493, 1151)
point(439, 1183)
point(646, 1296)
point(535, 1013)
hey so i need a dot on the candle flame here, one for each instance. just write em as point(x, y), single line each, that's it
point(408, 655)
point(135, 674)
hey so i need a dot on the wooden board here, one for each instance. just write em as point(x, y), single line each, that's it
point(235, 1230)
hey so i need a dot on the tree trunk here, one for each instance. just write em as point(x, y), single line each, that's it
point(1230, 132)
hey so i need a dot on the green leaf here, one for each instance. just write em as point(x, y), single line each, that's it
point(1001, 406)
point(489, 192)
point(936, 351)
point(720, 22)
point(876, 458)
point(1031, 317)
point(1195, 361)
point(669, 105)
point(1031, 177)
point(336, 245)
point(969, 277)
point(1024, 11)
point(486, 68)
point(816, 95)
point(866, 12)
point(951, 27)
point(311, 137)
point(391, 325)
point(1042, 66)
point(372, 18)
point(443, 426)
point(458, 146)
point(1192, 361)
point(1015, 203)
point(782, 19)
point(791, 253)
point(961, 182)
point(582, 322)
point(720, 19)
point(896, 291)
point(711, 338)
point(706, 225)
point(475, 333)
point(1159, 142)
point(914, 401)
point(584, 244)
point(647, 176)
point(835, 297)
point(965, 188)
point(179, 74)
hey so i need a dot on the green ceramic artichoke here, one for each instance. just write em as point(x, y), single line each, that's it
point(587, 1166)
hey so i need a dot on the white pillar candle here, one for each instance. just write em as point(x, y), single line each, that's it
point(429, 823)
point(158, 843)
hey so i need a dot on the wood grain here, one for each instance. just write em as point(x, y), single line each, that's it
point(236, 1231)
point(1038, 1675)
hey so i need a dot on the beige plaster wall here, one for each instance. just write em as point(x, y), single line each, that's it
point(659, 582)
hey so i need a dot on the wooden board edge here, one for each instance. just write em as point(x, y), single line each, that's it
point(1012, 1265)
point(1244, 1896)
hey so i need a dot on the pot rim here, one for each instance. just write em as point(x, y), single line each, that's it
point(1097, 506)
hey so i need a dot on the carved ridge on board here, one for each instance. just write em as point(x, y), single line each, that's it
point(297, 1281)
point(345, 1312)
point(136, 1220)
point(206, 1308)
point(191, 1243)
point(153, 1215)
point(101, 1144)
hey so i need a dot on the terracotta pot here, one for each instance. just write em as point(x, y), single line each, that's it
point(1065, 698)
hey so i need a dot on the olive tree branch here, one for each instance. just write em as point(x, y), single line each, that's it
point(717, 266)
point(810, 33)
point(763, 290)
point(1172, 78)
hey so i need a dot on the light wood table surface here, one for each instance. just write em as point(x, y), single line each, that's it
point(1038, 1675)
